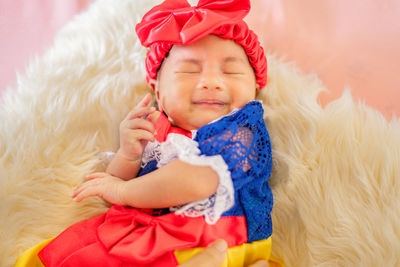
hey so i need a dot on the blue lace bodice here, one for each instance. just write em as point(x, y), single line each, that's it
point(243, 142)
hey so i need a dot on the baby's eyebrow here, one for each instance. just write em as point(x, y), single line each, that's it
point(233, 59)
point(190, 60)
point(198, 62)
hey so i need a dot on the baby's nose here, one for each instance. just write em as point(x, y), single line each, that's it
point(211, 81)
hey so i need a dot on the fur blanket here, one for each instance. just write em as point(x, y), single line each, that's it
point(336, 176)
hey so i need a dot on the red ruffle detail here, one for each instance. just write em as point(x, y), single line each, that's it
point(163, 127)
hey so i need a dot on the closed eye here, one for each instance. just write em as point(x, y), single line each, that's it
point(187, 72)
point(233, 68)
point(233, 73)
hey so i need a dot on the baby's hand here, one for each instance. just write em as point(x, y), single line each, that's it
point(103, 185)
point(136, 130)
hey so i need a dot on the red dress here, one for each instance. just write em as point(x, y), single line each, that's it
point(125, 236)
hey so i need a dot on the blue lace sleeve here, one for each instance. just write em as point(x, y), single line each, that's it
point(242, 140)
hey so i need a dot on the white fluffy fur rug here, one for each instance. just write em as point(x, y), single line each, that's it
point(336, 177)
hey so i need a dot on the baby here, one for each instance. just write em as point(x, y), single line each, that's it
point(195, 169)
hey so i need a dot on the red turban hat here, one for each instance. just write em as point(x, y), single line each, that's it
point(177, 22)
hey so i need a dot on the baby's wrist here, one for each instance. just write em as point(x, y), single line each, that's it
point(129, 159)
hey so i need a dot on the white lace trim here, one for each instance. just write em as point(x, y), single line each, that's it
point(175, 146)
point(186, 149)
point(151, 152)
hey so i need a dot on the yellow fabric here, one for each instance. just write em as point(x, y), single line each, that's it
point(29, 258)
point(274, 262)
point(242, 255)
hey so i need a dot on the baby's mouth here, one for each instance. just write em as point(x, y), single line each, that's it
point(210, 103)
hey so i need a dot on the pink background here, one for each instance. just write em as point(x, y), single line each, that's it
point(347, 43)
point(27, 28)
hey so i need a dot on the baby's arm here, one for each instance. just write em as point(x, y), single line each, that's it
point(123, 167)
point(135, 131)
point(174, 184)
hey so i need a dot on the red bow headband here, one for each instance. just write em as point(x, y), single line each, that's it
point(177, 22)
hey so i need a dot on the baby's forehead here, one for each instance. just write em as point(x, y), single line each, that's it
point(210, 46)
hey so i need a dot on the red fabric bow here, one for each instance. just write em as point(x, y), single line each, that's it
point(177, 22)
point(140, 238)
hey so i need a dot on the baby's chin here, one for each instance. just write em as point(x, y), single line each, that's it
point(206, 118)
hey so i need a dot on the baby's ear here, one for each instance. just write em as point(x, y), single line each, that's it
point(258, 89)
point(155, 86)
point(152, 84)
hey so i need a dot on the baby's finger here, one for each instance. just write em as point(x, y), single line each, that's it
point(90, 177)
point(90, 188)
point(213, 255)
point(140, 112)
point(85, 193)
point(145, 101)
point(140, 124)
point(79, 189)
point(260, 263)
point(83, 186)
point(144, 135)
point(76, 191)
point(153, 117)
point(97, 175)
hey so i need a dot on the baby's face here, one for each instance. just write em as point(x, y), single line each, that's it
point(202, 81)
